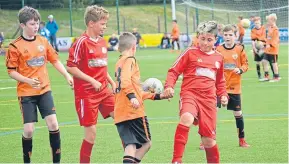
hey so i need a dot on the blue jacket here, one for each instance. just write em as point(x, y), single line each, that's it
point(44, 32)
point(52, 27)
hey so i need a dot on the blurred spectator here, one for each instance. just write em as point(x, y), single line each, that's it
point(43, 31)
point(252, 25)
point(1, 41)
point(137, 35)
point(165, 42)
point(52, 28)
point(113, 43)
point(220, 38)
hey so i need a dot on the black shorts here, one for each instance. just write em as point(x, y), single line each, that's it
point(134, 131)
point(234, 102)
point(29, 105)
point(258, 58)
point(271, 58)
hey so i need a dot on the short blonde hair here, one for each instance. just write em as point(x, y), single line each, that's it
point(208, 27)
point(28, 13)
point(230, 27)
point(126, 41)
point(273, 16)
point(95, 13)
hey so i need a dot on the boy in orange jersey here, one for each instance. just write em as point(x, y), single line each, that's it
point(203, 81)
point(258, 36)
point(175, 35)
point(272, 48)
point(235, 64)
point(241, 30)
point(26, 62)
point(129, 112)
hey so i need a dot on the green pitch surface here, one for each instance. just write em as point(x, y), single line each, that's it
point(265, 108)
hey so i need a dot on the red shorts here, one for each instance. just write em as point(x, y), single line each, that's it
point(87, 108)
point(204, 112)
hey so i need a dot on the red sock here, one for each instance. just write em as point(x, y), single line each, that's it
point(213, 154)
point(181, 138)
point(85, 152)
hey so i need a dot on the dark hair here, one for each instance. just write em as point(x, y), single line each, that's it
point(175, 21)
point(27, 13)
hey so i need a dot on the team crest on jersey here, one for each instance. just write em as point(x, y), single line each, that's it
point(199, 60)
point(235, 56)
point(91, 51)
point(40, 48)
point(104, 50)
point(217, 64)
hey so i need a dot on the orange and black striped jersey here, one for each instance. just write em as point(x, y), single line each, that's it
point(273, 41)
point(29, 58)
point(175, 32)
point(234, 57)
point(258, 34)
point(241, 29)
point(128, 85)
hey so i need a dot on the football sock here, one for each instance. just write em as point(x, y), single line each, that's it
point(85, 152)
point(128, 159)
point(240, 126)
point(137, 160)
point(266, 74)
point(271, 66)
point(276, 75)
point(181, 138)
point(212, 154)
point(27, 149)
point(258, 70)
point(55, 143)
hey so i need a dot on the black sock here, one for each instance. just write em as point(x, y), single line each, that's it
point(137, 160)
point(240, 126)
point(128, 159)
point(27, 149)
point(276, 75)
point(54, 137)
point(271, 66)
point(258, 70)
point(266, 74)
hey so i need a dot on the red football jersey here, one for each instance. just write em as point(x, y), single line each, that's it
point(89, 56)
point(203, 74)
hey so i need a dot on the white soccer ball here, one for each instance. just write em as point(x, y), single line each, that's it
point(259, 45)
point(245, 23)
point(153, 85)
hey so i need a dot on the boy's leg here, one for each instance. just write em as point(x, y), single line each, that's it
point(207, 129)
point(129, 154)
point(140, 153)
point(106, 107)
point(275, 68)
point(87, 111)
point(29, 114)
point(47, 110)
point(234, 104)
point(188, 112)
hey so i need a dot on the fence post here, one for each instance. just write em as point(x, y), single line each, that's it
point(124, 27)
point(187, 21)
point(165, 16)
point(228, 16)
point(261, 11)
point(117, 17)
point(70, 17)
point(197, 13)
point(159, 25)
point(212, 6)
point(23, 3)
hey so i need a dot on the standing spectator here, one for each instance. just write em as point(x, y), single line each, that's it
point(52, 28)
point(113, 43)
point(175, 36)
point(165, 42)
point(1, 41)
point(252, 22)
point(43, 31)
point(137, 35)
point(220, 38)
point(241, 30)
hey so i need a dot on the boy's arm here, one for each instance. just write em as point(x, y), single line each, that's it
point(275, 38)
point(111, 82)
point(244, 62)
point(220, 82)
point(125, 78)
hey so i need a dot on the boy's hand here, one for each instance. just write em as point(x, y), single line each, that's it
point(267, 46)
point(34, 82)
point(113, 87)
point(169, 93)
point(69, 80)
point(134, 103)
point(237, 71)
point(224, 101)
point(97, 85)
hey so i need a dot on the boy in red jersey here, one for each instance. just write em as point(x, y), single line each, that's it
point(88, 64)
point(203, 81)
point(235, 64)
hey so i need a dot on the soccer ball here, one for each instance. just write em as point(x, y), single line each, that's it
point(245, 23)
point(259, 45)
point(153, 85)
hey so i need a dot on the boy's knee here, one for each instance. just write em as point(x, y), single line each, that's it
point(187, 119)
point(90, 134)
point(237, 113)
point(28, 131)
point(208, 142)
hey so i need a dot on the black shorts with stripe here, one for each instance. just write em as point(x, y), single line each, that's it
point(29, 105)
point(271, 58)
point(234, 102)
point(134, 131)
